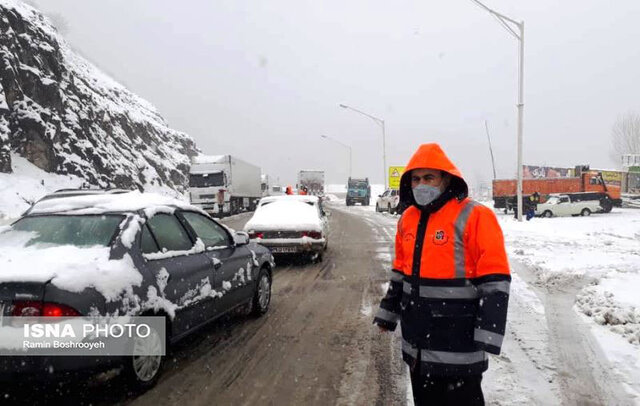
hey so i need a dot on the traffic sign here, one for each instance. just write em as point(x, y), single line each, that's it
point(395, 173)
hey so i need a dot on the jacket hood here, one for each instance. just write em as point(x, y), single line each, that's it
point(432, 156)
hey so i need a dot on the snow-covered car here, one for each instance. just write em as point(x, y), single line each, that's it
point(88, 253)
point(388, 201)
point(290, 225)
point(561, 205)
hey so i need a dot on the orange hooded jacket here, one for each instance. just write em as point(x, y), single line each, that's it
point(463, 239)
point(450, 280)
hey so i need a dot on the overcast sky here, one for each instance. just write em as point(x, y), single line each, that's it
point(263, 79)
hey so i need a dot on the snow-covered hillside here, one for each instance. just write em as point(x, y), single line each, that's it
point(27, 183)
point(65, 116)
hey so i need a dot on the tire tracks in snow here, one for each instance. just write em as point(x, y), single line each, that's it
point(583, 374)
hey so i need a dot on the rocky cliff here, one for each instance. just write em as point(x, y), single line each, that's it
point(65, 116)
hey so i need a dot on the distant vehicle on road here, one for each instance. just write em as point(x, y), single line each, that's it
point(312, 180)
point(585, 181)
point(388, 201)
point(223, 185)
point(294, 225)
point(127, 253)
point(562, 205)
point(358, 191)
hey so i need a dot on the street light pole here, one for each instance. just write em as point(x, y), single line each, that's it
point(380, 122)
point(344, 145)
point(508, 24)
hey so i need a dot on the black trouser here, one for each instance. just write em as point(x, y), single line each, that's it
point(446, 390)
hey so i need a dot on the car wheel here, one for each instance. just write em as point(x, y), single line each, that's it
point(585, 212)
point(547, 213)
point(143, 371)
point(262, 295)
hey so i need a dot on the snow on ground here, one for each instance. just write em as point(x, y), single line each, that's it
point(524, 373)
point(28, 183)
point(601, 252)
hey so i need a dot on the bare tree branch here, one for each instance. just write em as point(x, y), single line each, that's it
point(625, 135)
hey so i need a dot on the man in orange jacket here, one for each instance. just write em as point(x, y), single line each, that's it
point(449, 284)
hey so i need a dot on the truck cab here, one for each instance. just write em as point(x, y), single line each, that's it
point(358, 191)
point(206, 189)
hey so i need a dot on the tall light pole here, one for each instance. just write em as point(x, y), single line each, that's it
point(380, 122)
point(509, 24)
point(344, 145)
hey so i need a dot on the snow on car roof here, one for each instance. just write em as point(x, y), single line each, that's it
point(284, 214)
point(301, 198)
point(102, 203)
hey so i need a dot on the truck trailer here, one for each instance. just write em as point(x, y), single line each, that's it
point(587, 185)
point(312, 180)
point(223, 185)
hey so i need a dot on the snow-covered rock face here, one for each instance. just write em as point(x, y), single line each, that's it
point(65, 116)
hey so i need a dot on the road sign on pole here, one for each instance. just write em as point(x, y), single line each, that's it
point(395, 173)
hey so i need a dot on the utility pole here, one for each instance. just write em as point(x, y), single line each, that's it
point(509, 24)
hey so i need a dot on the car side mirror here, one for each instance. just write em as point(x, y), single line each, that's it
point(241, 238)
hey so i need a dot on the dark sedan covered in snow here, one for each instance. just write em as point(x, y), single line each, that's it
point(79, 253)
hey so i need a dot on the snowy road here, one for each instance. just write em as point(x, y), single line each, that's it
point(549, 356)
point(317, 345)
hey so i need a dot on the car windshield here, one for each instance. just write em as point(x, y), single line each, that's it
point(206, 179)
point(358, 185)
point(553, 200)
point(79, 231)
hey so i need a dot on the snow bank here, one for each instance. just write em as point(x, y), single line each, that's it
point(603, 249)
point(27, 184)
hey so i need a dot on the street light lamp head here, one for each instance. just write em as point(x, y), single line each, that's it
point(324, 136)
point(344, 106)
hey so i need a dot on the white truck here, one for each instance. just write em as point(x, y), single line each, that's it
point(564, 205)
point(223, 185)
point(312, 180)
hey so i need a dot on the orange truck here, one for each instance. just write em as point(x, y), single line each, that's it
point(588, 185)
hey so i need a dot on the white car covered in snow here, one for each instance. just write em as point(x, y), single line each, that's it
point(561, 205)
point(290, 225)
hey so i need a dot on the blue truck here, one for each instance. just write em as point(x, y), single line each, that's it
point(358, 191)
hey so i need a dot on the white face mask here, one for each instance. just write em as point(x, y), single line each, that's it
point(425, 194)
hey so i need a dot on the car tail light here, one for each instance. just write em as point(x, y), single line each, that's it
point(316, 235)
point(254, 234)
point(30, 308)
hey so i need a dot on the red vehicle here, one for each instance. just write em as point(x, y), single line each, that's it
point(589, 185)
